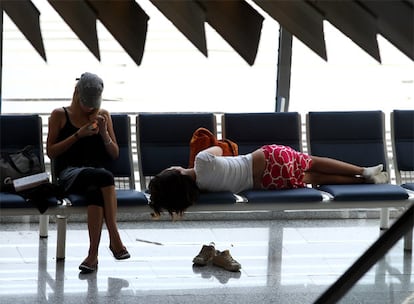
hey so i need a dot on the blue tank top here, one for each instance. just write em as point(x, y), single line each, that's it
point(86, 152)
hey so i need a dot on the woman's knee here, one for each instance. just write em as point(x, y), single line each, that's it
point(99, 177)
point(107, 178)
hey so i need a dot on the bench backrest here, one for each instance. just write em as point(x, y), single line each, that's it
point(253, 130)
point(402, 138)
point(163, 140)
point(356, 137)
point(123, 166)
point(19, 130)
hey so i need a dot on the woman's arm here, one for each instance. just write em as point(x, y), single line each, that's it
point(106, 130)
point(54, 148)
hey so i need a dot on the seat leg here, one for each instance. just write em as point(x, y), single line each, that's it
point(408, 241)
point(384, 218)
point(61, 222)
point(43, 225)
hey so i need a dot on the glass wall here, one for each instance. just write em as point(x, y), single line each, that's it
point(351, 79)
point(173, 75)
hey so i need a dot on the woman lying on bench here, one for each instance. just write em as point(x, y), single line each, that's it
point(270, 167)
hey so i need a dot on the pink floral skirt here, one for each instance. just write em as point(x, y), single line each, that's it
point(285, 167)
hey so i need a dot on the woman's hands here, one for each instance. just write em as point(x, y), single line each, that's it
point(97, 125)
point(102, 121)
point(88, 129)
point(102, 124)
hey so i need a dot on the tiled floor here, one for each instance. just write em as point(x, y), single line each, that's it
point(283, 261)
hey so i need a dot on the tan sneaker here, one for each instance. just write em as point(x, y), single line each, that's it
point(205, 255)
point(225, 260)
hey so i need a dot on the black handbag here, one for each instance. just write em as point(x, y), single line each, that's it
point(17, 164)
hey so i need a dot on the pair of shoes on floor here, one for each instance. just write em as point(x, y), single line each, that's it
point(86, 268)
point(123, 254)
point(223, 259)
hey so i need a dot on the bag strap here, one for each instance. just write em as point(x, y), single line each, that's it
point(229, 143)
point(26, 151)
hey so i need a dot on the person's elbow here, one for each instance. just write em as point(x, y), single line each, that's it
point(50, 152)
point(115, 154)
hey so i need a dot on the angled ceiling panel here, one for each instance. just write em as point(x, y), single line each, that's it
point(189, 18)
point(235, 20)
point(238, 23)
point(354, 21)
point(300, 19)
point(26, 17)
point(395, 22)
point(81, 19)
point(126, 21)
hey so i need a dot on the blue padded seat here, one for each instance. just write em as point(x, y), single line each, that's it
point(283, 196)
point(122, 167)
point(253, 130)
point(356, 137)
point(409, 186)
point(125, 198)
point(368, 192)
point(216, 198)
point(9, 200)
point(163, 141)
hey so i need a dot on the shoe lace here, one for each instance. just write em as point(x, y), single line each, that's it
point(228, 258)
point(206, 252)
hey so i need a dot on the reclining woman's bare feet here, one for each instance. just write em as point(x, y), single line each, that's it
point(381, 178)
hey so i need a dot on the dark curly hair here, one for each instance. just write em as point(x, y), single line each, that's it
point(172, 191)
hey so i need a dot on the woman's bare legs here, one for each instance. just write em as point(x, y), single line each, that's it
point(110, 211)
point(96, 216)
point(333, 166)
point(331, 171)
point(95, 221)
point(316, 178)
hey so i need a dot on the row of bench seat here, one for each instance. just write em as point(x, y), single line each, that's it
point(162, 141)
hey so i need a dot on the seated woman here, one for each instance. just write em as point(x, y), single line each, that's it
point(80, 140)
point(269, 167)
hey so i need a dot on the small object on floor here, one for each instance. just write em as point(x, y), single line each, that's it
point(205, 255)
point(123, 254)
point(225, 260)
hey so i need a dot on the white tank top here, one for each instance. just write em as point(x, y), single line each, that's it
point(228, 173)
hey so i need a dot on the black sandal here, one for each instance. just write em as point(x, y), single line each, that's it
point(123, 254)
point(85, 268)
